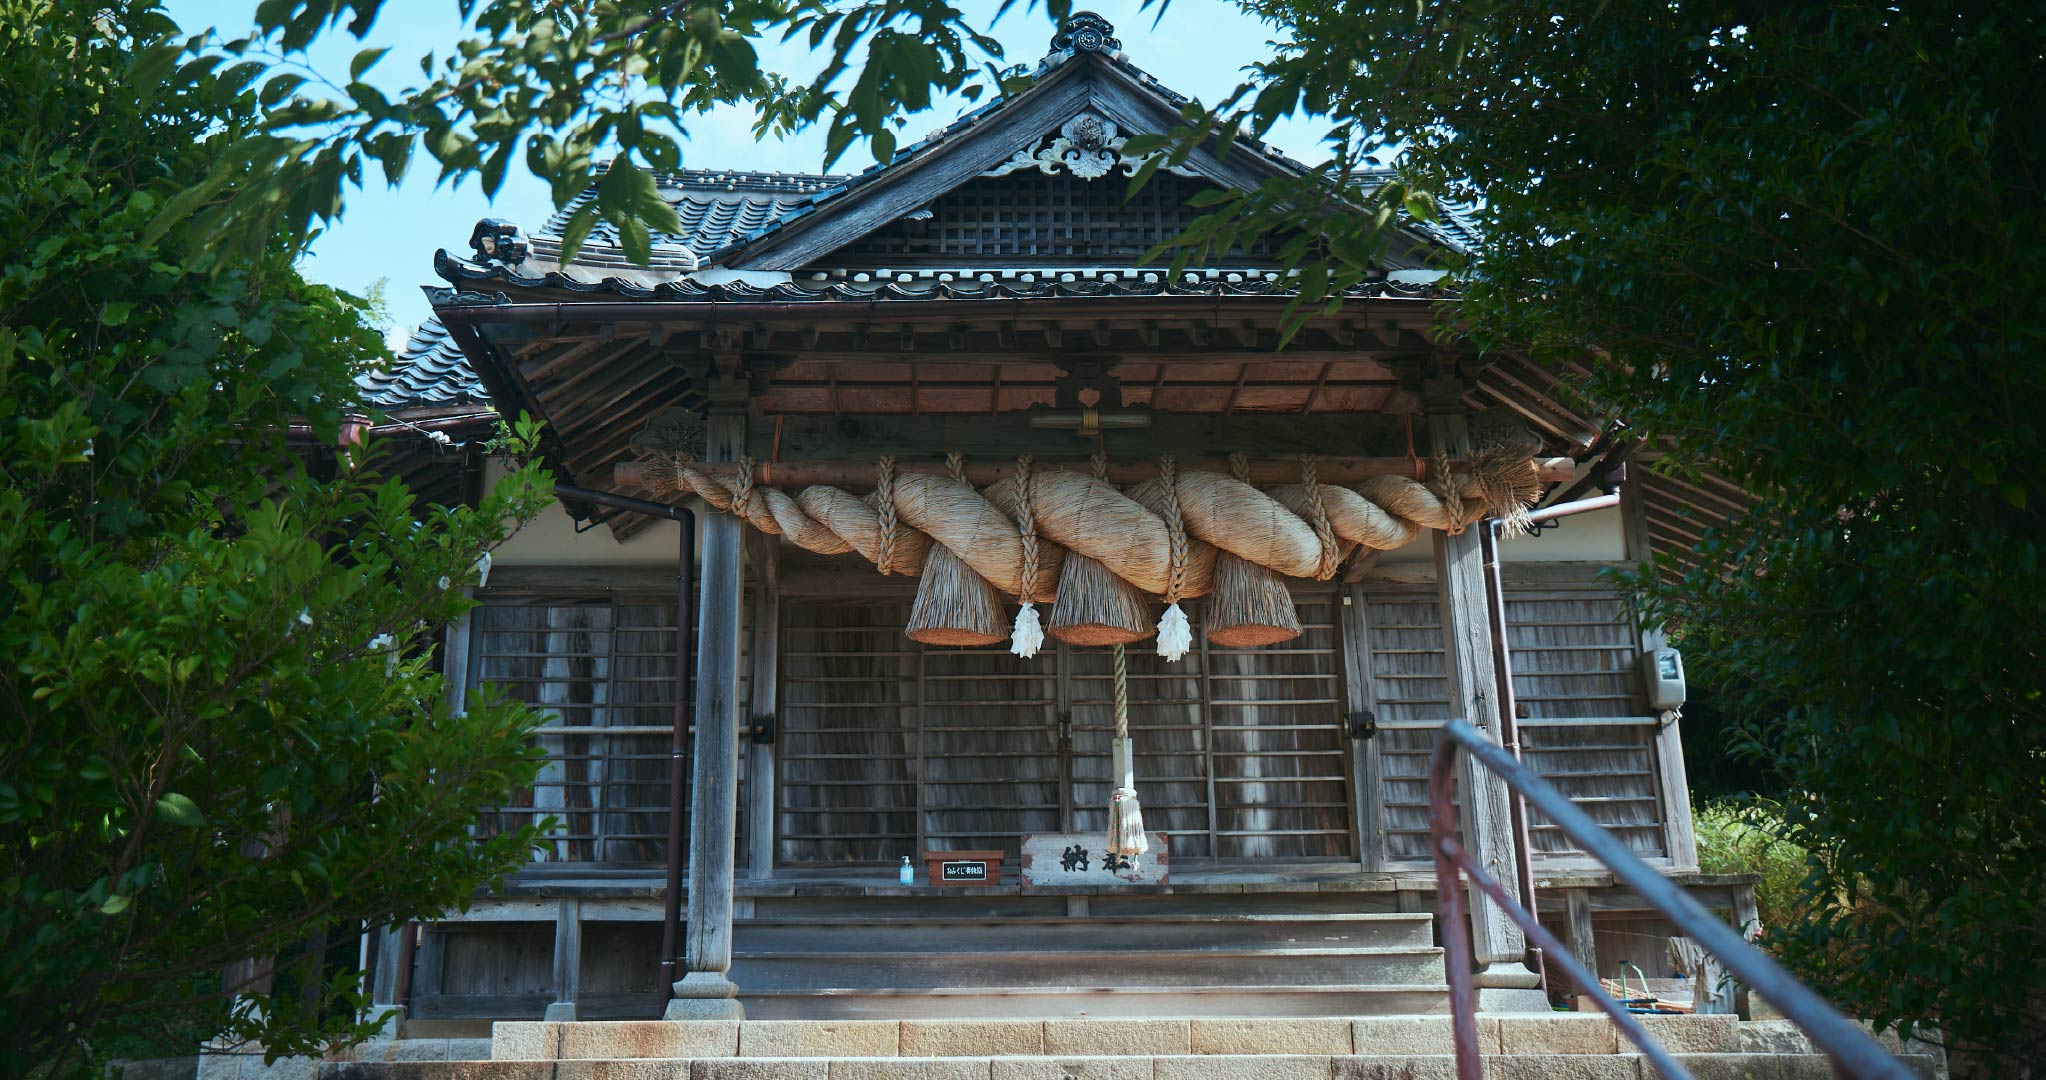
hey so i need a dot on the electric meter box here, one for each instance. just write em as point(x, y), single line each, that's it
point(1662, 670)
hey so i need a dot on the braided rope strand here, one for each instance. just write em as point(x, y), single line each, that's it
point(884, 498)
point(1317, 515)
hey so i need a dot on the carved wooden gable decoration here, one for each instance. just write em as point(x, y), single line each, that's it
point(1038, 178)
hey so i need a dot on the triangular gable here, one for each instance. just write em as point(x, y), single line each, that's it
point(1086, 95)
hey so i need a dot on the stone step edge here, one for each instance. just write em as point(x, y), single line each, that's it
point(1560, 1033)
point(1159, 1066)
point(1390, 917)
point(1145, 951)
point(1423, 987)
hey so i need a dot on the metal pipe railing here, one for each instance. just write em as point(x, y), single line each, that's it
point(1853, 1052)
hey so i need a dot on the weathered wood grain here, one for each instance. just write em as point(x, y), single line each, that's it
point(1682, 831)
point(764, 691)
point(1468, 645)
point(714, 809)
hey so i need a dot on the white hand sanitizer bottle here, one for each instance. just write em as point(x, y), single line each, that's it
point(906, 873)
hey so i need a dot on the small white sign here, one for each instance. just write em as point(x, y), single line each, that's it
point(1084, 859)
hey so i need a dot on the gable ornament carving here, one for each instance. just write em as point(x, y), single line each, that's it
point(1087, 146)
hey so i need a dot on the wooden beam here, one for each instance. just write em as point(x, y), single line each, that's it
point(1498, 943)
point(859, 475)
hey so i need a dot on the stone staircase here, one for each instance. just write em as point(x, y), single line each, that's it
point(1182, 964)
point(1551, 1047)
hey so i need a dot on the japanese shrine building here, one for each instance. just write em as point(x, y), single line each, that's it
point(982, 296)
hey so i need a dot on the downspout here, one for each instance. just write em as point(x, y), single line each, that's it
point(1502, 678)
point(678, 745)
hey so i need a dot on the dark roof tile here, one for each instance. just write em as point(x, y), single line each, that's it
point(428, 371)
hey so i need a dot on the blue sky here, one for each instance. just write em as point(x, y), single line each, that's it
point(391, 233)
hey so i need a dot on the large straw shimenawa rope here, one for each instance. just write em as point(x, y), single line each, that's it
point(1162, 536)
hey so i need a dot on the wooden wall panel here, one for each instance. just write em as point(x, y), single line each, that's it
point(848, 734)
point(1583, 718)
point(603, 667)
point(991, 767)
point(1242, 754)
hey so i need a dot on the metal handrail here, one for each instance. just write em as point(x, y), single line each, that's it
point(1853, 1052)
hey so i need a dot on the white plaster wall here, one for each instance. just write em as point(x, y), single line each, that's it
point(1594, 537)
point(551, 540)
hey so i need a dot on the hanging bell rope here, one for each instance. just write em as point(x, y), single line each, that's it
point(1125, 816)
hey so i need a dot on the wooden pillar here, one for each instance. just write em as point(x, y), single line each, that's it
point(705, 992)
point(1498, 943)
point(1582, 938)
point(568, 960)
point(1680, 832)
point(764, 682)
point(1367, 792)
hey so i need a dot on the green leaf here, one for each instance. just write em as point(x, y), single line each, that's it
point(363, 61)
point(116, 904)
point(176, 809)
point(115, 312)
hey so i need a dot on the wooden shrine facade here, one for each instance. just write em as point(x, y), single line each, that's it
point(977, 301)
point(1311, 751)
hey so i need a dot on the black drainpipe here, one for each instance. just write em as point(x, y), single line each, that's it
point(685, 664)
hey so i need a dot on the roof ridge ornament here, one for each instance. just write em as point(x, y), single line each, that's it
point(1084, 31)
point(1087, 146)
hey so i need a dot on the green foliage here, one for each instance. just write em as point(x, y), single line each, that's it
point(586, 93)
point(220, 733)
point(1800, 242)
point(1736, 838)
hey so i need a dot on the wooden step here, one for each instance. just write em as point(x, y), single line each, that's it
point(1096, 1002)
point(1058, 967)
point(1083, 933)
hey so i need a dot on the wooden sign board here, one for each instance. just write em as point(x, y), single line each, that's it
point(1084, 859)
point(959, 868)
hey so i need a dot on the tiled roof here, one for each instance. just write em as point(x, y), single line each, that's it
point(976, 283)
point(718, 207)
point(430, 370)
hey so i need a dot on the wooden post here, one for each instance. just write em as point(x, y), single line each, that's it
point(764, 687)
point(1367, 797)
point(568, 960)
point(394, 956)
point(1681, 836)
point(1747, 915)
point(1498, 943)
point(705, 992)
point(1582, 939)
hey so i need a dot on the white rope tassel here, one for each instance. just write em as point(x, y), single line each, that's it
point(1029, 632)
point(1175, 634)
point(1125, 815)
point(1175, 637)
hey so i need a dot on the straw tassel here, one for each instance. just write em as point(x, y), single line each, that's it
point(1125, 815)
